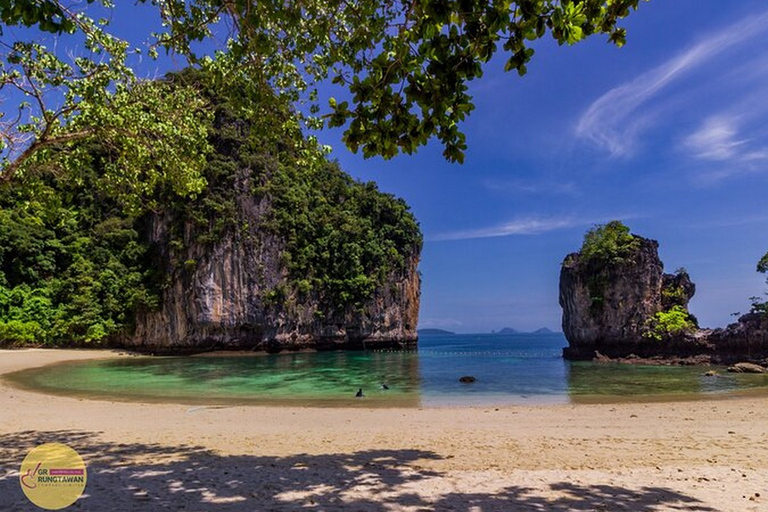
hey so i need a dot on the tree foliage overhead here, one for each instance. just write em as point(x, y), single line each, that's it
point(405, 64)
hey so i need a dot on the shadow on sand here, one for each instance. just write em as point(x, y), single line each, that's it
point(191, 478)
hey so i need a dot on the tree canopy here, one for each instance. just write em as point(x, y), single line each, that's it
point(405, 65)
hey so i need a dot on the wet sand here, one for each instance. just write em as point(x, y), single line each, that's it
point(705, 455)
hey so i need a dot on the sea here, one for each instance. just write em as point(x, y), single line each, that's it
point(506, 369)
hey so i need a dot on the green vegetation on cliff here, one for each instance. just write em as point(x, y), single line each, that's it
point(72, 265)
point(605, 246)
point(609, 243)
point(759, 304)
point(76, 264)
point(672, 322)
point(342, 239)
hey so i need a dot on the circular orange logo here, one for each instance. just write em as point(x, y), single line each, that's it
point(53, 476)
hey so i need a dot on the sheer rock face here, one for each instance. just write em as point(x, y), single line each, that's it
point(217, 297)
point(743, 341)
point(607, 307)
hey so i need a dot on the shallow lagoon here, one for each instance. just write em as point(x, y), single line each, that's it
point(510, 369)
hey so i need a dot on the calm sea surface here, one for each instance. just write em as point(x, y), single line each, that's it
point(510, 369)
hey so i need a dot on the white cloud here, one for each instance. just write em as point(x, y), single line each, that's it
point(719, 142)
point(717, 139)
point(525, 226)
point(528, 226)
point(720, 222)
point(614, 121)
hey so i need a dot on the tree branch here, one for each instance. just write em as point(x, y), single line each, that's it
point(10, 170)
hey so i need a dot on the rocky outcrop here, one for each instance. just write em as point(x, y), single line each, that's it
point(223, 297)
point(610, 308)
point(743, 341)
point(746, 368)
point(281, 251)
point(608, 305)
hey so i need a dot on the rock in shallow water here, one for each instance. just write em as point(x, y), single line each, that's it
point(746, 368)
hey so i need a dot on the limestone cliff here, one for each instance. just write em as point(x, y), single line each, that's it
point(236, 293)
point(281, 251)
point(619, 304)
point(257, 242)
point(610, 302)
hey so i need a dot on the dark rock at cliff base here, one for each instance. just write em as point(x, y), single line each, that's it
point(600, 358)
point(746, 368)
point(608, 305)
point(743, 341)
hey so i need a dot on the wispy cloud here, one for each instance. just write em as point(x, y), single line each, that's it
point(719, 142)
point(517, 186)
point(615, 120)
point(527, 226)
point(523, 226)
point(717, 139)
point(732, 222)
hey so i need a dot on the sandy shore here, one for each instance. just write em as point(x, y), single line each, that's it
point(694, 456)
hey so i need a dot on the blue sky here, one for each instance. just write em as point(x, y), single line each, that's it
point(668, 134)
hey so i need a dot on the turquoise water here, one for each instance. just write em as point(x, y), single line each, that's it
point(517, 368)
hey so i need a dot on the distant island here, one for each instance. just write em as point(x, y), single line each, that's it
point(433, 332)
point(510, 330)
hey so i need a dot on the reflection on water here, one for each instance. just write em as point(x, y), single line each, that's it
point(509, 369)
point(590, 381)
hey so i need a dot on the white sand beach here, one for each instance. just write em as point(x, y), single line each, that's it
point(707, 455)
